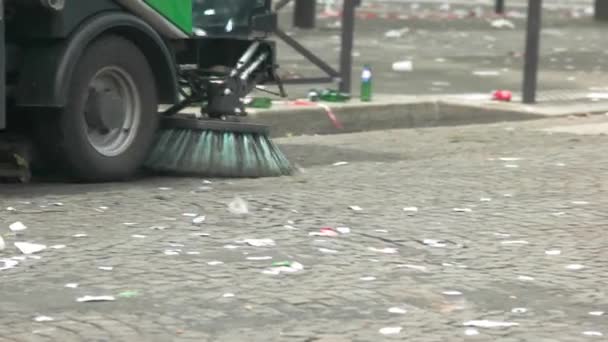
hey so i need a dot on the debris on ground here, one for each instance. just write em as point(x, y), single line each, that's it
point(462, 210)
point(575, 267)
point(397, 33)
point(592, 333)
point(403, 66)
point(397, 310)
point(328, 251)
point(17, 227)
point(6, 264)
point(502, 23)
point(553, 252)
point(343, 230)
point(87, 299)
point(489, 324)
point(383, 250)
point(342, 163)
point(390, 330)
point(325, 231)
point(258, 242)
point(238, 206)
point(355, 208)
point(41, 319)
point(284, 267)
point(199, 220)
point(129, 294)
point(410, 209)
point(71, 285)
point(29, 248)
point(502, 95)
point(2, 243)
point(471, 332)
point(434, 243)
point(452, 293)
point(486, 73)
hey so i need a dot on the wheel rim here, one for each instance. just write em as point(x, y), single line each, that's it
point(112, 111)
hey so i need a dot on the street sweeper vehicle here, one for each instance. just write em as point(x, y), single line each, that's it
point(84, 81)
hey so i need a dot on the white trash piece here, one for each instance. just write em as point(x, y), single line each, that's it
point(29, 248)
point(258, 242)
point(6, 264)
point(396, 33)
point(489, 324)
point(17, 227)
point(86, 299)
point(2, 244)
point(502, 23)
point(390, 330)
point(238, 206)
point(403, 66)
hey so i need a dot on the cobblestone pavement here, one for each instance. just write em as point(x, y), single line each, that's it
point(525, 247)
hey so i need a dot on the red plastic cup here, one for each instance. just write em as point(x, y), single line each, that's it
point(502, 95)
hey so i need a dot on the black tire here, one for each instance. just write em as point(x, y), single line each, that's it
point(64, 138)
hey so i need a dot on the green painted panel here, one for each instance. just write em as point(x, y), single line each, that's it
point(179, 12)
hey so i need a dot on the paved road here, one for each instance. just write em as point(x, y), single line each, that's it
point(509, 255)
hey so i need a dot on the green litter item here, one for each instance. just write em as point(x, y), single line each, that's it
point(260, 102)
point(129, 294)
point(330, 95)
point(281, 264)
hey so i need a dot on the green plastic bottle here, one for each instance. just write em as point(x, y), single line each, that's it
point(261, 102)
point(330, 95)
point(366, 84)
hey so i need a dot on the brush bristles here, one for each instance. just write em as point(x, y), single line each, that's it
point(217, 154)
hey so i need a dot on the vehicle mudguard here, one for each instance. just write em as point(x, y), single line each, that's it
point(48, 66)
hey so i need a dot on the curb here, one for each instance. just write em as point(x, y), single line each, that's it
point(290, 121)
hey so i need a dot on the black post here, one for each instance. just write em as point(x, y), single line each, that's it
point(500, 7)
point(601, 10)
point(305, 14)
point(346, 55)
point(532, 50)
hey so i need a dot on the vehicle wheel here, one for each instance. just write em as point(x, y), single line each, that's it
point(107, 128)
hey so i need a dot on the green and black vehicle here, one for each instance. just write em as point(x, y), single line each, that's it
point(84, 79)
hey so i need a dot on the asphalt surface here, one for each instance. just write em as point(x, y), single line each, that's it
point(519, 242)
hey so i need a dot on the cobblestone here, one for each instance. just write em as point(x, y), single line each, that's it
point(181, 297)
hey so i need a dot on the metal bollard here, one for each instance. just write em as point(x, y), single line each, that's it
point(532, 51)
point(346, 55)
point(499, 7)
point(601, 10)
point(305, 14)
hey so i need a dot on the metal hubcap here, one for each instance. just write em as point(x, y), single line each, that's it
point(112, 111)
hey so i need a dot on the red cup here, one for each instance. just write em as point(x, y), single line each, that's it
point(502, 95)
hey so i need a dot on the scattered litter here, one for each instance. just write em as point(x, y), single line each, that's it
point(10, 209)
point(173, 244)
point(328, 251)
point(390, 330)
point(383, 250)
point(130, 224)
point(87, 299)
point(434, 243)
point(207, 182)
point(575, 267)
point(396, 33)
point(355, 208)
point(403, 66)
point(193, 253)
point(410, 209)
point(284, 267)
point(511, 166)
point(397, 310)
point(238, 206)
point(29, 248)
point(343, 230)
point(2, 244)
point(485, 199)
point(342, 163)
point(326, 231)
point(258, 242)
point(440, 60)
point(414, 267)
point(6, 264)
point(367, 278)
point(502, 23)
point(287, 226)
point(171, 252)
point(486, 73)
point(514, 242)
point(164, 189)
point(592, 333)
point(137, 236)
point(105, 268)
point(231, 247)
point(228, 295)
point(471, 332)
point(58, 246)
point(159, 227)
point(441, 84)
point(189, 214)
point(79, 235)
point(502, 96)
point(452, 293)
point(489, 324)
point(463, 210)
point(519, 310)
point(502, 235)
point(596, 313)
point(71, 285)
point(381, 230)
point(199, 219)
point(553, 252)
point(17, 227)
point(129, 294)
point(579, 202)
point(197, 234)
point(561, 213)
point(43, 319)
point(525, 278)
point(260, 258)
point(215, 263)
